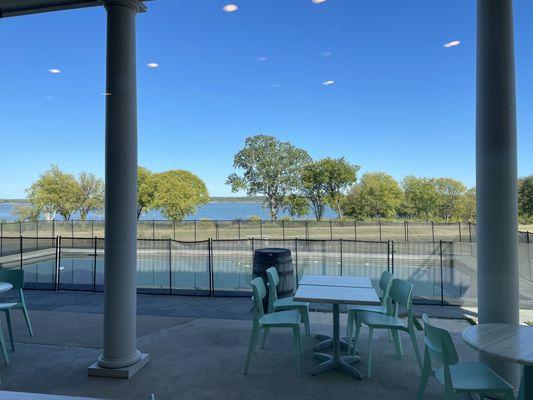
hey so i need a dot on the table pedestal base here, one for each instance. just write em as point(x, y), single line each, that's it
point(327, 342)
point(340, 363)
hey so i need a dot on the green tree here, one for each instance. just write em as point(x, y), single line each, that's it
point(146, 185)
point(525, 198)
point(90, 195)
point(26, 213)
point(324, 182)
point(178, 193)
point(450, 192)
point(468, 206)
point(55, 192)
point(297, 206)
point(420, 197)
point(270, 168)
point(377, 195)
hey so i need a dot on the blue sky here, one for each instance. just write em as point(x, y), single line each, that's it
point(401, 102)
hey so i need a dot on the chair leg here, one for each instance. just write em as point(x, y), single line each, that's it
point(25, 311)
point(397, 343)
point(356, 337)
point(4, 347)
point(426, 371)
point(416, 349)
point(10, 328)
point(349, 325)
point(265, 333)
point(370, 340)
point(251, 347)
point(305, 317)
point(297, 348)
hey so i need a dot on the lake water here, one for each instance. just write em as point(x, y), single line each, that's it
point(214, 210)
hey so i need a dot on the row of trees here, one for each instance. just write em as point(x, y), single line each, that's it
point(176, 193)
point(290, 180)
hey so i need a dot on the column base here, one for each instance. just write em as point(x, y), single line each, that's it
point(125, 372)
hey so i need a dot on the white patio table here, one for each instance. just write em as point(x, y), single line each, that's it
point(336, 295)
point(513, 343)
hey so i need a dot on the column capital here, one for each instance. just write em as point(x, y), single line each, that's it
point(136, 5)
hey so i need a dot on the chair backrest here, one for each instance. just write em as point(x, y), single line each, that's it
point(385, 284)
point(439, 343)
point(259, 289)
point(273, 281)
point(13, 276)
point(401, 293)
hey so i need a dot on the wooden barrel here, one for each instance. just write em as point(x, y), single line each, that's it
point(280, 259)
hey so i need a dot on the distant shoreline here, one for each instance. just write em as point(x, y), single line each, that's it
point(214, 199)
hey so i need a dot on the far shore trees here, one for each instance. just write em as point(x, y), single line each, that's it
point(90, 194)
point(271, 168)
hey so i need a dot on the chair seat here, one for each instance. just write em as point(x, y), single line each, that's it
point(281, 318)
point(288, 302)
point(373, 309)
point(7, 306)
point(473, 376)
point(375, 320)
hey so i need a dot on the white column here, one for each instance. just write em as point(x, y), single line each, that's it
point(120, 355)
point(496, 165)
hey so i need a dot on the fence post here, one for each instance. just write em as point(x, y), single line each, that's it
point(92, 228)
point(433, 231)
point(210, 265)
point(261, 228)
point(306, 228)
point(296, 257)
point(216, 229)
point(341, 253)
point(170, 265)
point(392, 256)
point(94, 262)
point(239, 228)
point(379, 224)
point(527, 236)
point(195, 229)
point(20, 228)
point(330, 230)
point(460, 234)
point(388, 256)
point(153, 229)
point(72, 231)
point(355, 229)
point(37, 234)
point(283, 229)
point(174, 229)
point(441, 277)
point(53, 228)
point(470, 231)
point(1, 238)
point(21, 250)
point(55, 265)
point(58, 267)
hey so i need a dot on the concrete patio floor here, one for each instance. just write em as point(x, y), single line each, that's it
point(197, 348)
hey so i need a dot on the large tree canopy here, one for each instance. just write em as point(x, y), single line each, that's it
point(324, 183)
point(525, 198)
point(55, 192)
point(90, 194)
point(271, 168)
point(420, 197)
point(377, 195)
point(146, 185)
point(450, 193)
point(178, 193)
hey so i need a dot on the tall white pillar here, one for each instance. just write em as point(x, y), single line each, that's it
point(496, 166)
point(120, 357)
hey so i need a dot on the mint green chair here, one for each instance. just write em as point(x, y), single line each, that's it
point(400, 295)
point(282, 319)
point(385, 284)
point(457, 377)
point(286, 303)
point(16, 278)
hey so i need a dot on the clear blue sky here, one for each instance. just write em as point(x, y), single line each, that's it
point(401, 102)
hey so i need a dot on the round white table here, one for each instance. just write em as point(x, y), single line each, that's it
point(513, 343)
point(4, 287)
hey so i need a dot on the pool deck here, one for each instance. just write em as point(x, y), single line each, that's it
point(197, 347)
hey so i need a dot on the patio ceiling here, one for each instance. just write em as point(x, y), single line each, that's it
point(12, 8)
